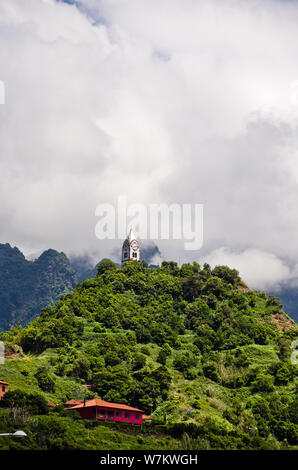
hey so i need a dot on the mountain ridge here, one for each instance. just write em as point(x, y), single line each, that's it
point(57, 278)
point(28, 286)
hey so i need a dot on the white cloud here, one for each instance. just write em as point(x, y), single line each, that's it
point(164, 101)
point(259, 269)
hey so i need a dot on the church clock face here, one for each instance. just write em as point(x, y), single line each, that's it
point(134, 245)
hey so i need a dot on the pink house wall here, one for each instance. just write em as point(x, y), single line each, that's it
point(86, 413)
point(121, 418)
point(92, 412)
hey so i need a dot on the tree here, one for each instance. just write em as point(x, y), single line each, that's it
point(139, 361)
point(284, 349)
point(81, 368)
point(262, 383)
point(34, 403)
point(115, 381)
point(215, 286)
point(171, 266)
point(166, 348)
point(288, 431)
point(230, 276)
point(162, 357)
point(192, 287)
point(293, 408)
point(284, 373)
point(167, 411)
point(274, 302)
point(28, 338)
point(112, 358)
point(105, 266)
point(164, 352)
point(184, 360)
point(241, 359)
point(210, 371)
point(45, 380)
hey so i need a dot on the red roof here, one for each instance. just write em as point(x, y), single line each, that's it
point(2, 382)
point(147, 417)
point(74, 402)
point(50, 403)
point(106, 404)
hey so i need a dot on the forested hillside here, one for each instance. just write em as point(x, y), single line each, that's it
point(195, 348)
point(28, 286)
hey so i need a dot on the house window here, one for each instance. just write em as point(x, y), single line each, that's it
point(101, 414)
point(127, 415)
point(134, 255)
point(110, 414)
point(3, 388)
point(137, 416)
point(118, 414)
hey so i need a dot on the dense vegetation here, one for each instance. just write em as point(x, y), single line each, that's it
point(28, 286)
point(206, 356)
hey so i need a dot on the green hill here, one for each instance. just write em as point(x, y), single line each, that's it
point(28, 286)
point(195, 348)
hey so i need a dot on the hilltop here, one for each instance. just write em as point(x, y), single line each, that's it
point(26, 287)
point(206, 356)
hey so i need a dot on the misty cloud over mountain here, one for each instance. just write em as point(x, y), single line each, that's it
point(185, 102)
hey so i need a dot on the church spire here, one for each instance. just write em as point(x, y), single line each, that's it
point(131, 236)
point(130, 248)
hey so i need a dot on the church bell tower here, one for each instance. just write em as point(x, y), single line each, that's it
point(130, 248)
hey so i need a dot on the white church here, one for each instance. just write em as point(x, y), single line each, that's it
point(130, 248)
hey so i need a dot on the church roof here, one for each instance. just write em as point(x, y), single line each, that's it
point(131, 236)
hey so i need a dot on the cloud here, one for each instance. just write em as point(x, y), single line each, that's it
point(162, 101)
point(260, 270)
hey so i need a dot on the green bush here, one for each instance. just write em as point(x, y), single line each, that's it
point(34, 403)
point(210, 371)
point(45, 380)
point(262, 383)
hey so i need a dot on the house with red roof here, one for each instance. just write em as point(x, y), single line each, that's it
point(106, 411)
point(3, 388)
point(147, 418)
point(71, 403)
